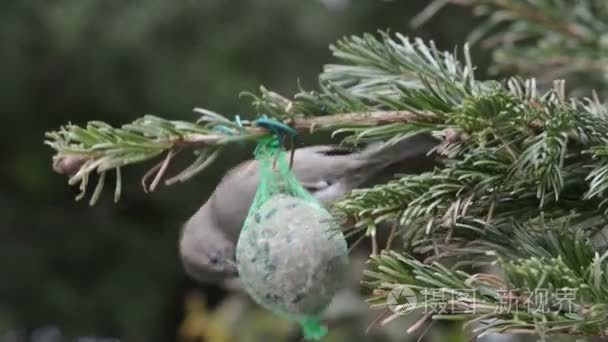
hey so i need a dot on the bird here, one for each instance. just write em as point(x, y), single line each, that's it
point(208, 239)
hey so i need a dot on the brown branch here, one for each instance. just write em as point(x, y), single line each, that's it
point(376, 320)
point(393, 231)
point(67, 164)
point(367, 118)
point(306, 124)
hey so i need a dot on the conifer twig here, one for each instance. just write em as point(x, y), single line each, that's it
point(100, 147)
point(66, 159)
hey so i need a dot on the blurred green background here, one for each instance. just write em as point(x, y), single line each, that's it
point(112, 270)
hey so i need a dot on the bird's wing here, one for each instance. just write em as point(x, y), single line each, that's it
point(329, 150)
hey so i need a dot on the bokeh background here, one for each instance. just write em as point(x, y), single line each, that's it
point(111, 272)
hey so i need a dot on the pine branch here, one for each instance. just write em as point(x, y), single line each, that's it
point(383, 73)
point(513, 156)
point(373, 117)
point(516, 141)
point(537, 295)
point(99, 147)
point(377, 66)
point(548, 14)
point(546, 38)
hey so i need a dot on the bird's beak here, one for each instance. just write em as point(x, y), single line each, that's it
point(231, 268)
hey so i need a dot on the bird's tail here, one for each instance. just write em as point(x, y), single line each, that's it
point(384, 154)
point(380, 161)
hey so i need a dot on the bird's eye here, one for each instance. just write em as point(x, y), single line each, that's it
point(214, 258)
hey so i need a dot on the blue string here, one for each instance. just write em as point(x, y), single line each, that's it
point(229, 130)
point(223, 129)
point(279, 129)
point(276, 127)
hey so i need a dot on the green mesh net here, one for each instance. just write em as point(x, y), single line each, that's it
point(290, 257)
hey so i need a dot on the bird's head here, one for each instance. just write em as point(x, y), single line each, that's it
point(206, 254)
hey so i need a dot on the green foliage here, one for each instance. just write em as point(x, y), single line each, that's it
point(522, 175)
point(490, 302)
point(548, 39)
point(100, 147)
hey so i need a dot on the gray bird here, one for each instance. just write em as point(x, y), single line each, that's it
point(209, 237)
